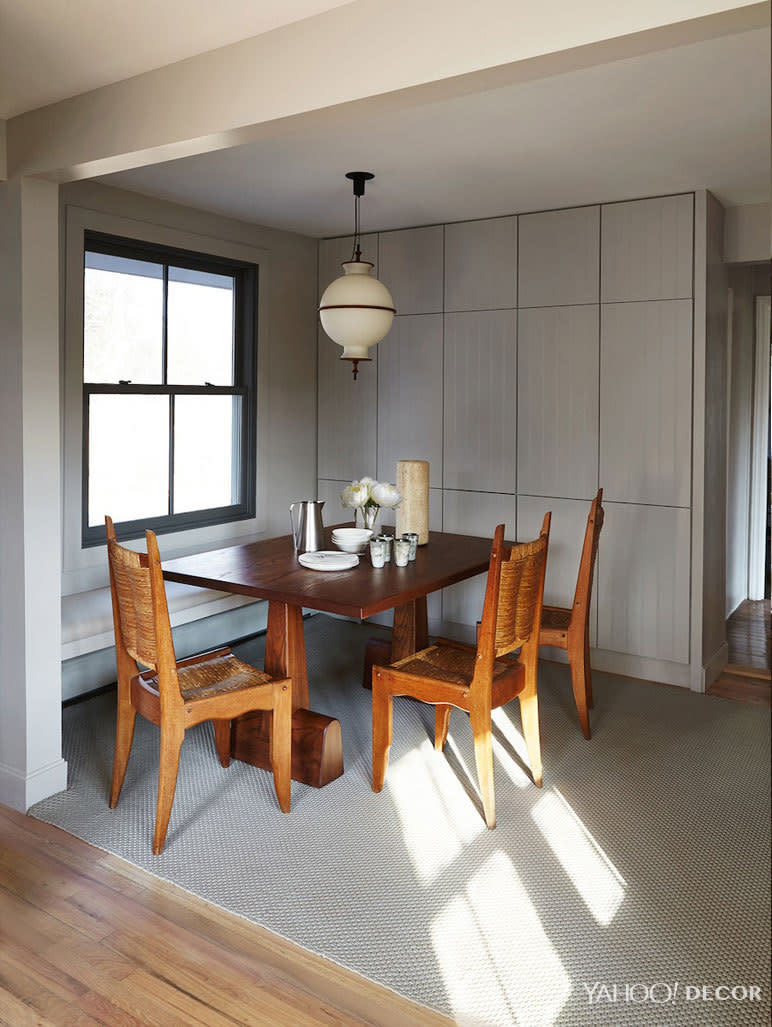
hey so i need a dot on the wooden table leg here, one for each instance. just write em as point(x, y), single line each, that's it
point(317, 751)
point(409, 635)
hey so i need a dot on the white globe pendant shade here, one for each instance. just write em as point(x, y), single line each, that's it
point(356, 310)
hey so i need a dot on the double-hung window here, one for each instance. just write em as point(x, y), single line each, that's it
point(169, 340)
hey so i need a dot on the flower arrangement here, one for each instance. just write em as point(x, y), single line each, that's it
point(367, 496)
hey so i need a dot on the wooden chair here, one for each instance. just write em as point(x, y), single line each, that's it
point(477, 679)
point(569, 629)
point(176, 694)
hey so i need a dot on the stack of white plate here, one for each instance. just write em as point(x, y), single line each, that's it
point(351, 540)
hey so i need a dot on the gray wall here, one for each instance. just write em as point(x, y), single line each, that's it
point(746, 282)
point(532, 359)
point(31, 766)
point(286, 362)
point(286, 428)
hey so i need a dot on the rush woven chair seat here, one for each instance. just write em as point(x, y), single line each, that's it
point(568, 628)
point(482, 678)
point(176, 694)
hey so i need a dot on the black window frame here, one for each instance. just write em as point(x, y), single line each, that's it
point(245, 278)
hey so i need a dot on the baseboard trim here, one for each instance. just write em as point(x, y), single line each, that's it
point(712, 670)
point(19, 791)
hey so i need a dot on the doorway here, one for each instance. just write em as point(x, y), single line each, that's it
point(749, 370)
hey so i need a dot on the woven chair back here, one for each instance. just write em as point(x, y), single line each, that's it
point(131, 575)
point(519, 586)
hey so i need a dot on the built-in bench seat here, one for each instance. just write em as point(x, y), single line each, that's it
point(87, 617)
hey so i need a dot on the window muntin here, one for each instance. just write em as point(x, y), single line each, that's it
point(168, 388)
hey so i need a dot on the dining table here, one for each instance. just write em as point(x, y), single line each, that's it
point(269, 570)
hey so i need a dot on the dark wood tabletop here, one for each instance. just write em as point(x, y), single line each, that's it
point(269, 570)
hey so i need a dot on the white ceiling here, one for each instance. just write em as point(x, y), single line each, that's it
point(696, 116)
point(54, 49)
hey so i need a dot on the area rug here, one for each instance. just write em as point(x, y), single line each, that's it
point(633, 888)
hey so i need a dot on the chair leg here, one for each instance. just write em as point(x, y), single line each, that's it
point(281, 747)
point(222, 741)
point(579, 684)
point(171, 741)
point(587, 673)
point(529, 715)
point(382, 731)
point(124, 735)
point(483, 754)
point(441, 725)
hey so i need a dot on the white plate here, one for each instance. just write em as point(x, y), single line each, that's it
point(328, 561)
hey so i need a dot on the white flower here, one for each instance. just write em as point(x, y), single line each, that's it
point(386, 495)
point(355, 495)
point(370, 482)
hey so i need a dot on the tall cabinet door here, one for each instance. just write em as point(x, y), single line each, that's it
point(480, 408)
point(347, 409)
point(410, 264)
point(643, 581)
point(410, 396)
point(646, 427)
point(646, 249)
point(646, 402)
point(557, 401)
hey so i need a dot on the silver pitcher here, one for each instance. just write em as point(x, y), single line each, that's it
point(307, 536)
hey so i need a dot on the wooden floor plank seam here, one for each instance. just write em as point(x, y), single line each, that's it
point(89, 939)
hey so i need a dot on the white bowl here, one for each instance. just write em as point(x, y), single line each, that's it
point(352, 534)
point(351, 540)
point(350, 547)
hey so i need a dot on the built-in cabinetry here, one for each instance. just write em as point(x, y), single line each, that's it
point(532, 359)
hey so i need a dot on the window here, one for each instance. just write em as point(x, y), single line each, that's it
point(168, 388)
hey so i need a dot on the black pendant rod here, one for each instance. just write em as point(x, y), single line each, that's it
point(358, 178)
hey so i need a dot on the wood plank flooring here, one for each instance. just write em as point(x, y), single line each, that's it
point(747, 676)
point(749, 635)
point(89, 939)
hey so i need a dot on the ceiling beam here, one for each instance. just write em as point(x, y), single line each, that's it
point(365, 55)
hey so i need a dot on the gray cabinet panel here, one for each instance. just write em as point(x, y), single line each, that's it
point(645, 402)
point(558, 257)
point(410, 396)
point(569, 521)
point(643, 581)
point(557, 401)
point(481, 264)
point(480, 416)
point(646, 251)
point(333, 511)
point(410, 265)
point(347, 414)
point(473, 513)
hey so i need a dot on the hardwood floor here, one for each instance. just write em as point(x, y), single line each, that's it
point(748, 635)
point(89, 939)
point(747, 676)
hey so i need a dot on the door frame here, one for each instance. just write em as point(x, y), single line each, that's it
point(759, 499)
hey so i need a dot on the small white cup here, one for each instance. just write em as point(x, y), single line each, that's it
point(401, 552)
point(386, 540)
point(376, 552)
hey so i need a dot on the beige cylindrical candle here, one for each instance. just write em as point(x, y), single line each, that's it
point(413, 511)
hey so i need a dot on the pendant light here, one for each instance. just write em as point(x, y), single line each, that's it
point(356, 310)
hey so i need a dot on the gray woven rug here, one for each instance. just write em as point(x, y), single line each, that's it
point(631, 889)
